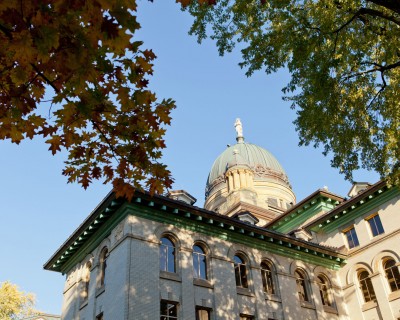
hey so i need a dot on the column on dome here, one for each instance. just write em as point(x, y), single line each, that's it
point(230, 181)
point(236, 182)
point(240, 178)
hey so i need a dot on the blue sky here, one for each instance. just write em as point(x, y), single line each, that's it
point(39, 210)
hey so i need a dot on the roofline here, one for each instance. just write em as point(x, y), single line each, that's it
point(84, 225)
point(169, 204)
point(320, 192)
point(346, 204)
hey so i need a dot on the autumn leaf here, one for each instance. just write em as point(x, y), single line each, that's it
point(55, 143)
point(87, 59)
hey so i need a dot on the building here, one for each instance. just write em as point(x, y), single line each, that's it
point(251, 253)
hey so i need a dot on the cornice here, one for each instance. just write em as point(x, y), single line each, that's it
point(159, 208)
point(354, 207)
point(319, 200)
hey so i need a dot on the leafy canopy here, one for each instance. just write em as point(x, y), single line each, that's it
point(344, 60)
point(14, 304)
point(82, 54)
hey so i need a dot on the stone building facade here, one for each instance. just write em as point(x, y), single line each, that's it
point(253, 253)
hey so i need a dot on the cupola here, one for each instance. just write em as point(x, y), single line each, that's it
point(248, 177)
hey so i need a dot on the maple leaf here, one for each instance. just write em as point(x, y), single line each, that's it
point(81, 57)
point(55, 143)
point(123, 189)
point(110, 27)
point(85, 180)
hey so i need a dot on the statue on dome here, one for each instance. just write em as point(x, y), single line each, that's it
point(238, 128)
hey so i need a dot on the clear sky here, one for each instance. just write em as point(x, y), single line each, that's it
point(39, 210)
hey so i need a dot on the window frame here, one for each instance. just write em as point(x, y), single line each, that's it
point(103, 266)
point(366, 287)
point(267, 274)
point(373, 225)
point(165, 267)
point(241, 271)
point(197, 260)
point(246, 317)
point(302, 283)
point(166, 316)
point(353, 243)
point(325, 290)
point(199, 309)
point(395, 275)
point(86, 281)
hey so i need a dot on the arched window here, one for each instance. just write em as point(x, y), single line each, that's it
point(366, 286)
point(302, 288)
point(103, 266)
point(267, 280)
point(392, 274)
point(240, 272)
point(167, 255)
point(323, 285)
point(199, 262)
point(86, 280)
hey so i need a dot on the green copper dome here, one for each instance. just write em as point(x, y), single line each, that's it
point(253, 155)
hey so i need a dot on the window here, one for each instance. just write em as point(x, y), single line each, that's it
point(86, 280)
point(240, 272)
point(392, 274)
point(103, 266)
point(375, 225)
point(168, 310)
point(302, 289)
point(324, 291)
point(366, 287)
point(351, 237)
point(203, 314)
point(266, 275)
point(167, 255)
point(199, 263)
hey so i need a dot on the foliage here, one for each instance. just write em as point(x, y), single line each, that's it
point(344, 60)
point(14, 304)
point(82, 54)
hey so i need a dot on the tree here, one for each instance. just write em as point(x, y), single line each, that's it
point(344, 60)
point(14, 304)
point(81, 57)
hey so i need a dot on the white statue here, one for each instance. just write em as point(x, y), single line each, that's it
point(238, 128)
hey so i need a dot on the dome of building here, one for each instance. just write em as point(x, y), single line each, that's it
point(248, 177)
point(253, 155)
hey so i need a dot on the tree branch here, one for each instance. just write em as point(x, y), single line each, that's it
point(370, 12)
point(393, 5)
point(377, 68)
point(6, 31)
point(377, 13)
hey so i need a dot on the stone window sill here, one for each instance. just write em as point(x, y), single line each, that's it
point(100, 290)
point(307, 305)
point(394, 295)
point(244, 291)
point(368, 305)
point(272, 297)
point(170, 276)
point(84, 303)
point(202, 283)
point(329, 309)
